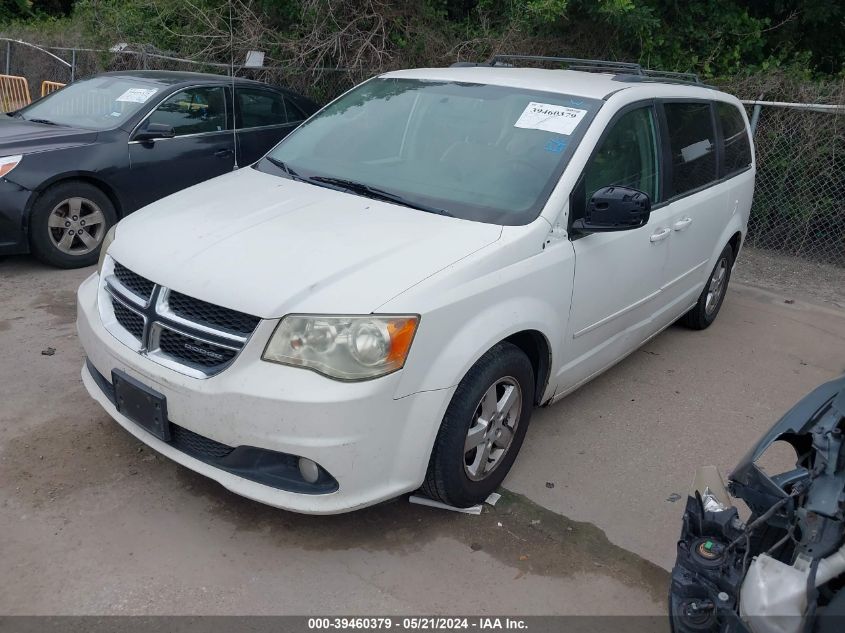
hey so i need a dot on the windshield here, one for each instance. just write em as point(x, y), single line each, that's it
point(478, 152)
point(99, 103)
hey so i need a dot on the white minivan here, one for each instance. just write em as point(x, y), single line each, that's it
point(378, 304)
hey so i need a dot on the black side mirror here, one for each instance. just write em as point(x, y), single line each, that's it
point(153, 131)
point(614, 209)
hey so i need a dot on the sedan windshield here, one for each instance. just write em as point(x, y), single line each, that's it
point(99, 103)
point(479, 152)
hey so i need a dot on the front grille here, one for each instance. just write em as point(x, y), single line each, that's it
point(197, 445)
point(211, 315)
point(135, 283)
point(189, 335)
point(194, 351)
point(131, 321)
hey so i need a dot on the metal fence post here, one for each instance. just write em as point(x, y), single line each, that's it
point(73, 65)
point(755, 118)
point(8, 57)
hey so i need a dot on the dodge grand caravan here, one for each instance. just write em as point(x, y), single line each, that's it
point(377, 304)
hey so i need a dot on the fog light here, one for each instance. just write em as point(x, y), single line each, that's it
point(309, 470)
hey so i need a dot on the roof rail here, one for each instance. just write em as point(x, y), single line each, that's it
point(661, 78)
point(602, 65)
point(599, 65)
point(667, 74)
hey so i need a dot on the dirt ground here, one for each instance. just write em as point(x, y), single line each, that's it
point(92, 522)
point(792, 276)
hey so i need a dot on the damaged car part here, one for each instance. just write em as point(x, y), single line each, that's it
point(784, 570)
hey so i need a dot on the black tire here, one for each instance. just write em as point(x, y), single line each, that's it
point(447, 479)
point(45, 239)
point(704, 313)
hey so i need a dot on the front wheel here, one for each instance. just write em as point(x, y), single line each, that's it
point(483, 428)
point(711, 298)
point(68, 223)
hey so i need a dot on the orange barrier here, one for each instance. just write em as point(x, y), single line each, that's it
point(14, 93)
point(50, 86)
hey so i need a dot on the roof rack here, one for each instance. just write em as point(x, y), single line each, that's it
point(630, 70)
point(668, 74)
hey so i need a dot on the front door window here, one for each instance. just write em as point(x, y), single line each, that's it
point(193, 111)
point(627, 156)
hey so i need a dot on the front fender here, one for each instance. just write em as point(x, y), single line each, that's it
point(96, 163)
point(460, 323)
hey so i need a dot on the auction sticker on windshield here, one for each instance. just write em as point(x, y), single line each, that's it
point(549, 117)
point(137, 95)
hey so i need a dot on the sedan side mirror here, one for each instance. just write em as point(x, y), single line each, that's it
point(155, 130)
point(614, 209)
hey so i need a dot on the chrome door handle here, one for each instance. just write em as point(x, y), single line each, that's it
point(660, 234)
point(681, 224)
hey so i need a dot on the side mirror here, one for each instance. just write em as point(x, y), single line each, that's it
point(614, 209)
point(153, 131)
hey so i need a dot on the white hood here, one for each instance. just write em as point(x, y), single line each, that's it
point(269, 246)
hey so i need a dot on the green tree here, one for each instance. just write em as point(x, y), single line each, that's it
point(15, 10)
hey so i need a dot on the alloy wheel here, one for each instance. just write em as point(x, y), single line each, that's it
point(492, 431)
point(76, 226)
point(716, 288)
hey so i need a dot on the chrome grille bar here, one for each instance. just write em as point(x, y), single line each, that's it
point(188, 346)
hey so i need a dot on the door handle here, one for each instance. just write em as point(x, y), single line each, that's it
point(660, 234)
point(681, 224)
point(222, 153)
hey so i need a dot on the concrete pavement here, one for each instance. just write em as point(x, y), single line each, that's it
point(92, 522)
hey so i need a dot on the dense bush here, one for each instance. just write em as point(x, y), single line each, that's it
point(777, 50)
point(712, 37)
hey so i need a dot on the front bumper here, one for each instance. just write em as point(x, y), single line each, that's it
point(375, 446)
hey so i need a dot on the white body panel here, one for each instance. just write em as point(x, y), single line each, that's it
point(359, 432)
point(269, 246)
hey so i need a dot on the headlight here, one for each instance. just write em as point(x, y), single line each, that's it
point(8, 163)
point(343, 347)
point(108, 238)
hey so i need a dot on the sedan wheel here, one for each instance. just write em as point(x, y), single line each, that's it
point(77, 226)
point(68, 223)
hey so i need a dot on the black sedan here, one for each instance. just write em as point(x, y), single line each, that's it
point(75, 162)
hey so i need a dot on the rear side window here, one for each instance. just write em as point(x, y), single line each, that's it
point(259, 108)
point(692, 141)
point(295, 115)
point(737, 154)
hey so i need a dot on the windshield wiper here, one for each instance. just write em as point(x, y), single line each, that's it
point(356, 187)
point(378, 194)
point(282, 166)
point(44, 121)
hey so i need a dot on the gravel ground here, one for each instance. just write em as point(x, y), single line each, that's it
point(792, 276)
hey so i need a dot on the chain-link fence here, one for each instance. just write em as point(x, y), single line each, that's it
point(60, 64)
point(799, 198)
point(799, 202)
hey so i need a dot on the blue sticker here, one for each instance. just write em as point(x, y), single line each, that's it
point(555, 145)
point(575, 102)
